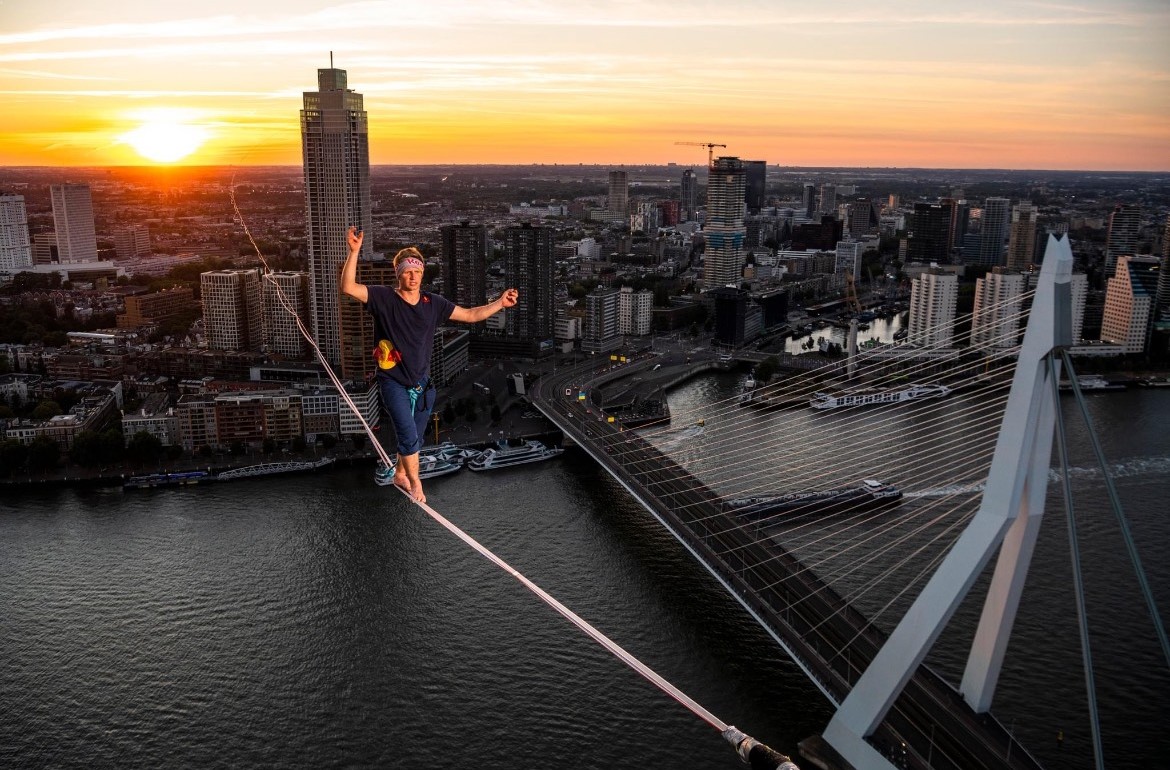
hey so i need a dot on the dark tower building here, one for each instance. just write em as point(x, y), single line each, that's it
point(928, 236)
point(1124, 224)
point(465, 263)
point(730, 315)
point(528, 265)
point(755, 174)
point(687, 195)
point(809, 201)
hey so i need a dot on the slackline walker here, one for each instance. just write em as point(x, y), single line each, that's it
point(758, 755)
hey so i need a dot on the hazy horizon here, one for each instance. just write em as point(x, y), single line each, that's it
point(1005, 85)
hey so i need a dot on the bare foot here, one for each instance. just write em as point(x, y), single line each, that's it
point(402, 482)
point(416, 491)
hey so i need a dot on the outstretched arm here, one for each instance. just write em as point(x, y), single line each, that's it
point(472, 315)
point(349, 284)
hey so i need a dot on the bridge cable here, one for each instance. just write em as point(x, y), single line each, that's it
point(748, 748)
point(1115, 501)
point(1078, 578)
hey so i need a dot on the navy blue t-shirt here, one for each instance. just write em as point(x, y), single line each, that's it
point(405, 332)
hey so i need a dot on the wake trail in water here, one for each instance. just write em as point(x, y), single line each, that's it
point(1134, 467)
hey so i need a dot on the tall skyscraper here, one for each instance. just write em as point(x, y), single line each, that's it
point(688, 195)
point(928, 233)
point(528, 266)
point(755, 179)
point(336, 152)
point(724, 229)
point(465, 263)
point(1124, 224)
point(285, 298)
point(828, 199)
point(933, 296)
point(73, 221)
point(635, 311)
point(618, 202)
point(809, 200)
point(995, 222)
point(15, 245)
point(999, 303)
point(231, 309)
point(1022, 240)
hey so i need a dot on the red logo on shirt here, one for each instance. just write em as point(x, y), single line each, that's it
point(426, 298)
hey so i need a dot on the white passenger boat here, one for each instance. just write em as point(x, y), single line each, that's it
point(867, 397)
point(507, 456)
point(1090, 382)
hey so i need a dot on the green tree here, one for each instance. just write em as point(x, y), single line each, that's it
point(87, 449)
point(43, 454)
point(237, 448)
point(205, 450)
point(174, 452)
point(359, 440)
point(298, 444)
point(6, 412)
point(13, 456)
point(766, 369)
point(45, 410)
point(144, 448)
point(328, 440)
point(113, 446)
point(269, 445)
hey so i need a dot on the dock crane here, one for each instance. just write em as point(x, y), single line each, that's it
point(710, 149)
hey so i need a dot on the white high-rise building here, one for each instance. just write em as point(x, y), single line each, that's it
point(634, 311)
point(336, 153)
point(73, 221)
point(724, 229)
point(285, 298)
point(828, 204)
point(15, 245)
point(231, 309)
point(1129, 303)
point(600, 333)
point(933, 296)
point(999, 306)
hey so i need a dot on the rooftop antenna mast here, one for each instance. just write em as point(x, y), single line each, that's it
point(330, 60)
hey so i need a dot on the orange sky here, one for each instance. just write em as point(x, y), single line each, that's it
point(1002, 84)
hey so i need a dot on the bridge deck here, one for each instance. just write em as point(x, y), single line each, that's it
point(824, 634)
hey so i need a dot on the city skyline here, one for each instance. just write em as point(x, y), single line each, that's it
point(1004, 85)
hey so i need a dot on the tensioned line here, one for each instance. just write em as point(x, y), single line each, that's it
point(743, 744)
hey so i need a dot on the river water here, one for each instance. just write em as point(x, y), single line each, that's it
point(321, 621)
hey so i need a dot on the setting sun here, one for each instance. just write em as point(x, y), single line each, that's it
point(165, 137)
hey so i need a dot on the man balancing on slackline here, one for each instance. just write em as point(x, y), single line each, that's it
point(405, 320)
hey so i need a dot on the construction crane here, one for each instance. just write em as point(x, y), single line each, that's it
point(851, 294)
point(710, 149)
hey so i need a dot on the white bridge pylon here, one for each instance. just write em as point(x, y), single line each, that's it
point(1008, 520)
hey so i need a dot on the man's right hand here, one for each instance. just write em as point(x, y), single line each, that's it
point(354, 238)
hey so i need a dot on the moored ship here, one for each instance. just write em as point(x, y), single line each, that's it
point(507, 456)
point(181, 478)
point(868, 397)
point(868, 495)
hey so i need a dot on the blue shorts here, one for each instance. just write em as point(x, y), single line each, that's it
point(410, 426)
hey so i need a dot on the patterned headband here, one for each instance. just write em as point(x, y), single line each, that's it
point(410, 263)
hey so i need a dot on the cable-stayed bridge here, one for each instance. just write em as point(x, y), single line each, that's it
point(768, 503)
